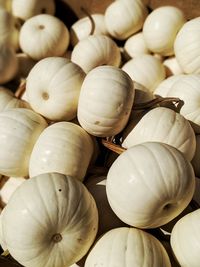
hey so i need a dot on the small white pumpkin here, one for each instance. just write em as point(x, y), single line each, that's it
point(8, 100)
point(185, 238)
point(24, 9)
point(82, 28)
point(125, 17)
point(8, 63)
point(161, 27)
point(105, 101)
point(55, 93)
point(2, 241)
point(19, 130)
point(164, 125)
point(186, 46)
point(6, 25)
point(146, 70)
point(108, 220)
point(43, 36)
point(62, 147)
point(124, 247)
point(6, 4)
point(150, 184)
point(172, 67)
point(50, 220)
point(96, 50)
point(135, 45)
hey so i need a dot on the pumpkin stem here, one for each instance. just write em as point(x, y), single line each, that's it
point(20, 90)
point(56, 238)
point(91, 20)
point(113, 147)
point(159, 100)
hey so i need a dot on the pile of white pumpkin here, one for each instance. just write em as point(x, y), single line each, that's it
point(81, 87)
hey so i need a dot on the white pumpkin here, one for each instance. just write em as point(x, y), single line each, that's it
point(6, 25)
point(186, 46)
point(82, 28)
point(164, 125)
point(50, 220)
point(8, 63)
point(2, 241)
point(161, 27)
point(172, 67)
point(96, 185)
point(62, 147)
point(185, 238)
point(187, 89)
point(24, 9)
point(125, 17)
point(6, 4)
point(96, 50)
point(150, 184)
point(8, 100)
point(19, 130)
point(43, 36)
point(124, 247)
point(146, 70)
point(135, 45)
point(105, 101)
point(55, 93)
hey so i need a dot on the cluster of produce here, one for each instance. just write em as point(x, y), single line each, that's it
point(99, 136)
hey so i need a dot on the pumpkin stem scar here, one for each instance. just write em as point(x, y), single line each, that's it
point(91, 20)
point(56, 238)
point(45, 95)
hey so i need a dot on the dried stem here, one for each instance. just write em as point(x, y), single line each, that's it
point(91, 20)
point(156, 101)
point(20, 90)
point(113, 147)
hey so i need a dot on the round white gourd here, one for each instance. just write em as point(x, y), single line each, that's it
point(6, 4)
point(146, 70)
point(44, 36)
point(82, 28)
point(135, 45)
point(108, 220)
point(125, 17)
point(6, 25)
point(161, 27)
point(164, 125)
point(24, 9)
point(124, 247)
point(8, 63)
point(62, 147)
point(150, 184)
point(186, 46)
point(105, 101)
point(8, 100)
point(185, 238)
point(19, 130)
point(2, 240)
point(55, 93)
point(50, 220)
point(172, 67)
point(187, 89)
point(96, 50)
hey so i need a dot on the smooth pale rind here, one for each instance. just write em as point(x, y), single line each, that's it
point(43, 36)
point(8, 100)
point(105, 101)
point(186, 46)
point(55, 93)
point(24, 9)
point(62, 147)
point(172, 67)
point(135, 45)
point(125, 17)
point(50, 220)
point(82, 28)
point(19, 130)
point(2, 240)
point(124, 247)
point(150, 184)
point(164, 125)
point(146, 70)
point(161, 27)
point(185, 238)
point(6, 25)
point(96, 50)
